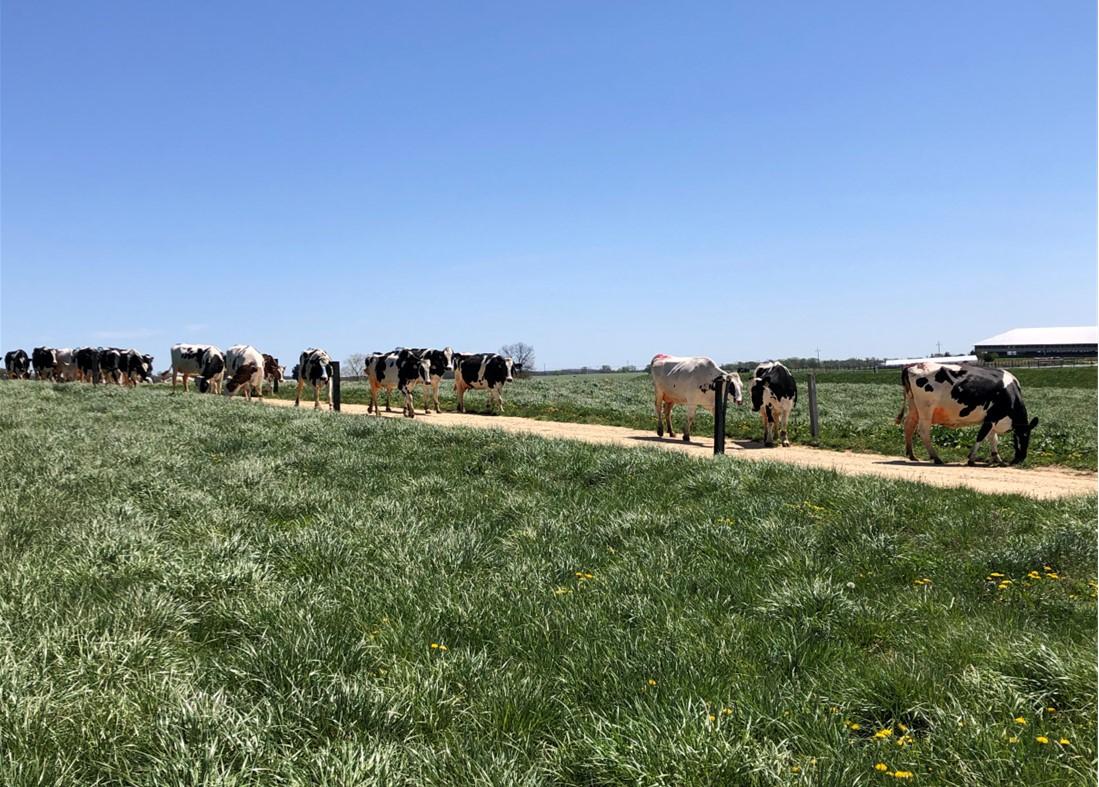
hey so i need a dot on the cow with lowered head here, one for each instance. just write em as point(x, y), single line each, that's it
point(17, 364)
point(314, 367)
point(400, 369)
point(204, 361)
point(483, 371)
point(959, 395)
point(774, 394)
point(272, 372)
point(243, 371)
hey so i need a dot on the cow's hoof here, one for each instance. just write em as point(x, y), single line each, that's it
point(686, 438)
point(912, 458)
point(971, 463)
point(936, 460)
point(785, 443)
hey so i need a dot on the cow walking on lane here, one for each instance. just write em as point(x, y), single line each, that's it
point(774, 394)
point(689, 380)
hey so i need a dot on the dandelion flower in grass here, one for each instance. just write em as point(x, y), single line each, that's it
point(713, 717)
point(795, 769)
point(902, 727)
point(1020, 720)
point(1051, 709)
point(434, 645)
point(1013, 739)
point(1034, 575)
point(881, 767)
point(726, 711)
point(902, 775)
point(884, 733)
point(443, 648)
point(995, 575)
point(1042, 739)
point(1053, 575)
point(652, 682)
point(1064, 742)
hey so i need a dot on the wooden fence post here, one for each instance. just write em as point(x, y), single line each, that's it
point(719, 415)
point(814, 419)
point(334, 381)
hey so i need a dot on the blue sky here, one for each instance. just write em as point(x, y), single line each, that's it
point(602, 180)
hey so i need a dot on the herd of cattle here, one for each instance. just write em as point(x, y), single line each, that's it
point(951, 395)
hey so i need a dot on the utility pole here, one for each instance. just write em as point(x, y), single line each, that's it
point(938, 348)
point(818, 356)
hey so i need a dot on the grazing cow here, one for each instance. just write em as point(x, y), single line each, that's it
point(958, 395)
point(272, 372)
point(87, 363)
point(774, 394)
point(136, 367)
point(243, 370)
point(314, 367)
point(688, 380)
point(43, 359)
point(482, 371)
point(400, 369)
point(112, 365)
point(18, 364)
point(439, 361)
point(204, 361)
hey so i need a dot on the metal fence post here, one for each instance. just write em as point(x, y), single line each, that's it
point(334, 381)
point(719, 415)
point(814, 420)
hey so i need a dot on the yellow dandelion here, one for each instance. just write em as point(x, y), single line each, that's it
point(1034, 575)
point(856, 726)
point(713, 717)
point(443, 648)
point(434, 645)
point(652, 682)
point(1013, 739)
point(1053, 575)
point(561, 591)
point(902, 775)
point(1064, 741)
point(1051, 709)
point(795, 769)
point(726, 711)
point(834, 709)
point(885, 733)
point(1020, 720)
point(995, 575)
point(881, 767)
point(902, 727)
point(904, 740)
point(1003, 586)
point(1042, 739)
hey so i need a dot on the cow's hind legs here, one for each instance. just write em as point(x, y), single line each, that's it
point(910, 423)
point(994, 449)
point(668, 418)
point(659, 416)
point(297, 396)
point(690, 423)
point(785, 437)
point(925, 438)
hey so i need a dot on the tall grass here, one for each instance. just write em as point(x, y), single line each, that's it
point(201, 591)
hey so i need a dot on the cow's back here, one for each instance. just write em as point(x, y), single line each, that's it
point(684, 379)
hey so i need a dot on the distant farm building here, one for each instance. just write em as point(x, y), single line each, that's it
point(1042, 342)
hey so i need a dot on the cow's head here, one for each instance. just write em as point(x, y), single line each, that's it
point(243, 376)
point(423, 370)
point(146, 367)
point(455, 360)
point(1020, 432)
point(509, 365)
point(213, 364)
point(736, 388)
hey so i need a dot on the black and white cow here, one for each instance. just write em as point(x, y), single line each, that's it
point(204, 361)
point(137, 367)
point(87, 363)
point(958, 395)
point(688, 380)
point(64, 365)
point(18, 364)
point(440, 363)
point(314, 367)
point(272, 372)
point(482, 371)
point(400, 369)
point(44, 360)
point(774, 394)
point(243, 371)
point(112, 365)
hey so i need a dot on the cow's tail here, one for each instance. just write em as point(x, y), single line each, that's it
point(907, 385)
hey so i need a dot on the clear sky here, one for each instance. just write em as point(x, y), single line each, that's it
point(603, 180)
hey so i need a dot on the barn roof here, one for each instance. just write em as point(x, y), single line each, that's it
point(1083, 334)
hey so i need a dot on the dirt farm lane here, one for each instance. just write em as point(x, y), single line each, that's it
point(1042, 482)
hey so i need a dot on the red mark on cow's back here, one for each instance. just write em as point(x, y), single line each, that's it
point(658, 356)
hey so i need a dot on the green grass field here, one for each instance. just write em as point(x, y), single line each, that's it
point(197, 591)
point(857, 411)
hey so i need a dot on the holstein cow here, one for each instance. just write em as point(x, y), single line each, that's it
point(137, 367)
point(400, 369)
point(204, 361)
point(774, 394)
point(87, 363)
point(243, 370)
point(64, 367)
point(43, 360)
point(481, 371)
point(314, 367)
point(439, 361)
point(272, 372)
point(688, 380)
point(957, 395)
point(18, 364)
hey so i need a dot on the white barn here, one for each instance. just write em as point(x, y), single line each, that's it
point(1042, 342)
